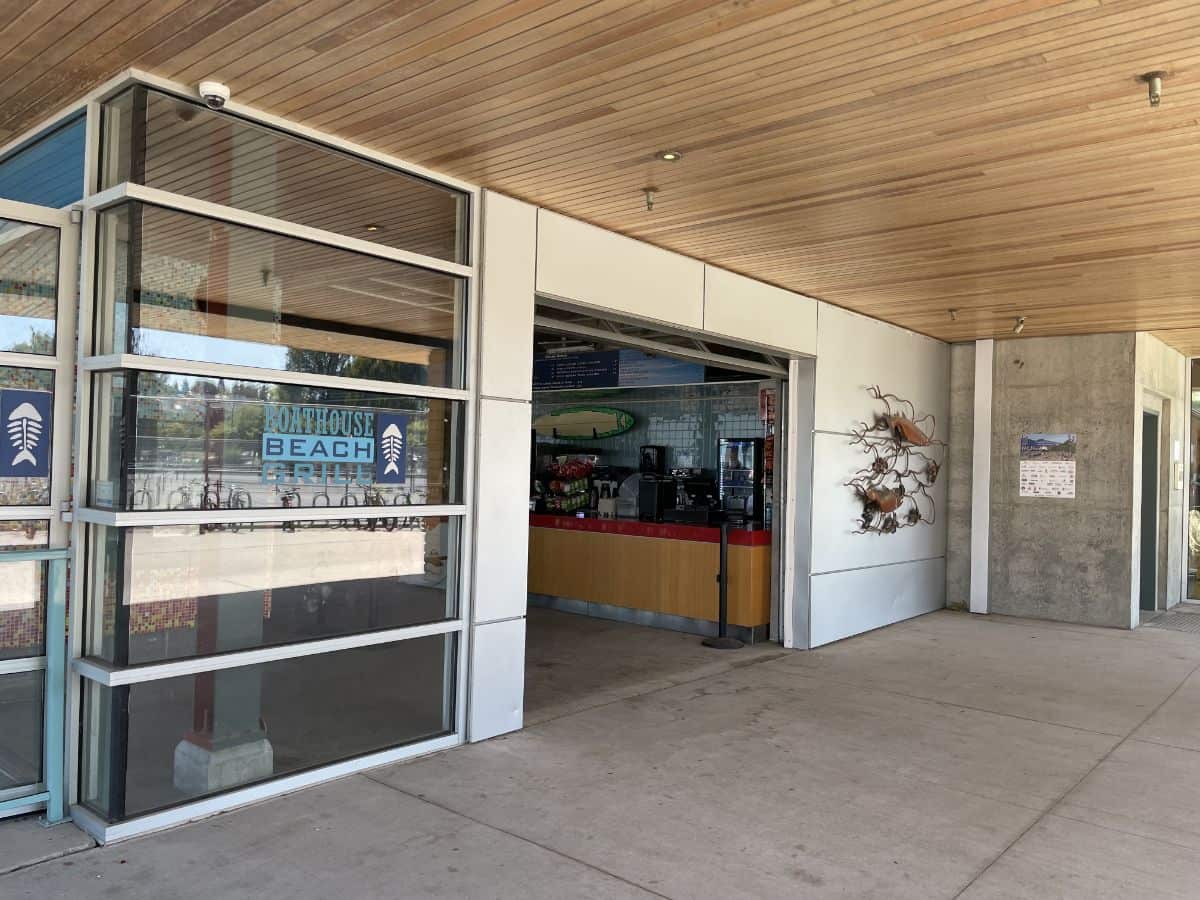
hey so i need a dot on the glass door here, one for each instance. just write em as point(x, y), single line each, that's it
point(38, 287)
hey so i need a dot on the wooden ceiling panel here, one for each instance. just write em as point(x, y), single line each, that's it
point(903, 158)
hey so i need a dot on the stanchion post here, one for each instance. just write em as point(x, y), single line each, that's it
point(723, 641)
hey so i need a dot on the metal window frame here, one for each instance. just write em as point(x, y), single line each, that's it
point(50, 793)
point(108, 675)
point(459, 569)
point(134, 518)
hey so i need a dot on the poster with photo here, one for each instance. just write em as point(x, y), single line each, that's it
point(1048, 465)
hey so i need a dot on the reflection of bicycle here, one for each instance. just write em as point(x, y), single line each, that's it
point(347, 499)
point(290, 498)
point(180, 498)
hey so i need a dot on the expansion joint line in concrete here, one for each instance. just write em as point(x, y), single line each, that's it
point(1082, 778)
point(520, 837)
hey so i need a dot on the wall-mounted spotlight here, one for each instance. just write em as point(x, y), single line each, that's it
point(953, 314)
point(1154, 82)
point(1019, 325)
point(649, 193)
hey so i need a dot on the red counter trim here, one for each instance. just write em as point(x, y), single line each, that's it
point(710, 534)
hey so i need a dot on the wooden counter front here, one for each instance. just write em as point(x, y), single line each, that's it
point(671, 575)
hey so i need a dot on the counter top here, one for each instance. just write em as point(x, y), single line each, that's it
point(709, 534)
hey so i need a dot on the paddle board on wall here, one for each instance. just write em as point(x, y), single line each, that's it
point(583, 422)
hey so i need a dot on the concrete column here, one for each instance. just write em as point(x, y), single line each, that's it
point(981, 475)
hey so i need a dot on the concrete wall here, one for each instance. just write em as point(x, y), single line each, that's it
point(1161, 380)
point(1068, 560)
point(958, 475)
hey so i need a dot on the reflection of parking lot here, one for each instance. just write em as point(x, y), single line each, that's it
point(172, 561)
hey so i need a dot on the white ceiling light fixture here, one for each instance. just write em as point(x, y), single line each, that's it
point(1154, 81)
point(669, 155)
point(1019, 326)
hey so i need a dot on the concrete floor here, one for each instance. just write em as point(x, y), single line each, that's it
point(948, 756)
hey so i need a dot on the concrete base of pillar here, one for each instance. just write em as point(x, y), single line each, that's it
point(199, 770)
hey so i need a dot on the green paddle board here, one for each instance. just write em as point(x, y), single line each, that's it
point(583, 422)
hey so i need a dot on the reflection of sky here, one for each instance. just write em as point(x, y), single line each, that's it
point(175, 345)
point(16, 330)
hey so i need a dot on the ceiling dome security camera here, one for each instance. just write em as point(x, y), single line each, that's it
point(214, 94)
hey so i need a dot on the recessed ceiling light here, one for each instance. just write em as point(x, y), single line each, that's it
point(669, 155)
point(373, 227)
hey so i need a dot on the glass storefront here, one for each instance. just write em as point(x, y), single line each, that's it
point(273, 469)
point(169, 592)
point(21, 698)
point(181, 286)
point(159, 743)
point(28, 287)
point(213, 443)
point(164, 142)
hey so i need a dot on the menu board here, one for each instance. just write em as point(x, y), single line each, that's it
point(610, 369)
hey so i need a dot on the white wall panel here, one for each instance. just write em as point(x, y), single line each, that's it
point(506, 311)
point(855, 352)
point(836, 511)
point(586, 264)
point(849, 603)
point(749, 310)
point(502, 510)
point(497, 679)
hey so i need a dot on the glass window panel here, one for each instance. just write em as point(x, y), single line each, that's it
point(172, 592)
point(22, 591)
point(49, 170)
point(165, 142)
point(161, 743)
point(24, 490)
point(186, 287)
point(21, 697)
point(208, 443)
point(28, 287)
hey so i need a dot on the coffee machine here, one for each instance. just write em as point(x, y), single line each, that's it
point(656, 497)
point(695, 498)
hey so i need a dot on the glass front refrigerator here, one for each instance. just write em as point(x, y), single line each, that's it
point(740, 478)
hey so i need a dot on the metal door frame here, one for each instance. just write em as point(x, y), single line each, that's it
point(50, 793)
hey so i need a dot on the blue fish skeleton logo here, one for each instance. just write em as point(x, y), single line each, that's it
point(391, 458)
point(26, 417)
point(392, 446)
point(24, 433)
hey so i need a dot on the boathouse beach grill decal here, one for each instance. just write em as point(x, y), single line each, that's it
point(335, 445)
point(26, 418)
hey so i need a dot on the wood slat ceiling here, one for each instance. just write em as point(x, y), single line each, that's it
point(897, 157)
